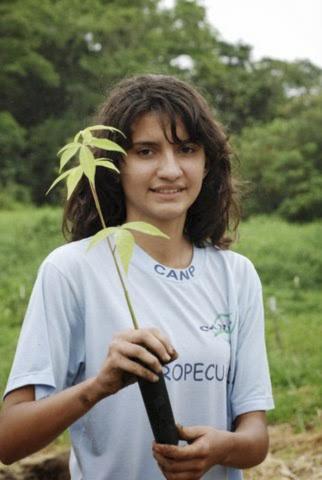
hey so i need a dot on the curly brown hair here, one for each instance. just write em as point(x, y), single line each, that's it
point(216, 209)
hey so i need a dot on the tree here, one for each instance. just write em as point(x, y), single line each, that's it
point(59, 57)
point(283, 162)
point(12, 143)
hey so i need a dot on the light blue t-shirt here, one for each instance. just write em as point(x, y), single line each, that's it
point(212, 311)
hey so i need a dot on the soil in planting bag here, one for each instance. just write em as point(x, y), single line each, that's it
point(158, 407)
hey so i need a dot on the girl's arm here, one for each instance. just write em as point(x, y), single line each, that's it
point(27, 425)
point(246, 447)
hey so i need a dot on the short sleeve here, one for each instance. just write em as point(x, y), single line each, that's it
point(251, 384)
point(50, 351)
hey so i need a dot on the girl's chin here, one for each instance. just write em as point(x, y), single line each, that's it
point(159, 213)
point(168, 216)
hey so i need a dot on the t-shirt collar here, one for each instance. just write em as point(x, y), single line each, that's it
point(145, 262)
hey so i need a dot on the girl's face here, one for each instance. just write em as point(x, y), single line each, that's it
point(161, 180)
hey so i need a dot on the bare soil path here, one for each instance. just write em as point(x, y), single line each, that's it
point(293, 456)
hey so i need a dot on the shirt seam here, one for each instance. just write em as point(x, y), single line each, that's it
point(48, 262)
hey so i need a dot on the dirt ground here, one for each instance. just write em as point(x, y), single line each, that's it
point(292, 457)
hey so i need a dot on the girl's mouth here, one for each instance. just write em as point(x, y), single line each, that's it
point(167, 191)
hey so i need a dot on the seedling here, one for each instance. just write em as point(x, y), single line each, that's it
point(155, 396)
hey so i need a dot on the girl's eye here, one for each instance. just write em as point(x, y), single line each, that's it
point(186, 149)
point(144, 152)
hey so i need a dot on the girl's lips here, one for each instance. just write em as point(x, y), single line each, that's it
point(167, 193)
point(167, 190)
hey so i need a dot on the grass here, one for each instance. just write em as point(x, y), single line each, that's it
point(280, 252)
point(26, 237)
point(288, 259)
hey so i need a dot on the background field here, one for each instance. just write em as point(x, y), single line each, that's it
point(287, 257)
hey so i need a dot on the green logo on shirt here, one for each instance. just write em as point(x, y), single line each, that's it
point(222, 325)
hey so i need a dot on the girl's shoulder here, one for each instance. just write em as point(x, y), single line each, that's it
point(234, 261)
point(233, 268)
point(69, 252)
point(70, 258)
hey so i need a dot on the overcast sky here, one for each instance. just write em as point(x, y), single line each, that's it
point(284, 29)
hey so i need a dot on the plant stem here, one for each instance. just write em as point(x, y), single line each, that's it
point(125, 291)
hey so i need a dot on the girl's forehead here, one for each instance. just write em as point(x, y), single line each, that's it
point(154, 123)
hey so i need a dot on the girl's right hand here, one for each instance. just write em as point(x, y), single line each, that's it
point(132, 354)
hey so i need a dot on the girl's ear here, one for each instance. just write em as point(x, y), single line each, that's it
point(206, 168)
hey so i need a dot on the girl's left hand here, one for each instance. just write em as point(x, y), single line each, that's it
point(206, 447)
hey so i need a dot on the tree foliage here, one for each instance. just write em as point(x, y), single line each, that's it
point(59, 57)
point(283, 161)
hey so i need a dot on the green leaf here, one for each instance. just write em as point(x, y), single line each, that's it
point(144, 228)
point(87, 136)
point(58, 179)
point(105, 127)
point(68, 145)
point(73, 179)
point(76, 138)
point(87, 162)
point(101, 235)
point(124, 241)
point(68, 154)
point(107, 164)
point(106, 144)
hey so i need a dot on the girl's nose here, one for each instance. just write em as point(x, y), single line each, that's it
point(169, 166)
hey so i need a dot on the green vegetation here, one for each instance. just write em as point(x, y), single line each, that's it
point(286, 256)
point(289, 262)
point(59, 57)
point(283, 160)
point(27, 236)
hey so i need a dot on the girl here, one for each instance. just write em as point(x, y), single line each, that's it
point(77, 356)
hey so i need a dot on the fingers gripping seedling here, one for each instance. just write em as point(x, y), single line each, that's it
point(155, 396)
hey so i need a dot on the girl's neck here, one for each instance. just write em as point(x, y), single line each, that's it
point(176, 252)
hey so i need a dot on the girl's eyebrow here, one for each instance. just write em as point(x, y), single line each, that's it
point(145, 142)
point(150, 143)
